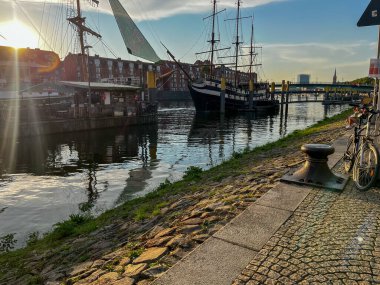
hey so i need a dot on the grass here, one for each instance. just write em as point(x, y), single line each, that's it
point(139, 209)
point(193, 173)
point(69, 227)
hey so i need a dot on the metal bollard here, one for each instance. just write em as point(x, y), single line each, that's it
point(315, 171)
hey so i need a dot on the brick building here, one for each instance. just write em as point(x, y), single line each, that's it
point(106, 70)
point(25, 67)
point(35, 66)
point(169, 76)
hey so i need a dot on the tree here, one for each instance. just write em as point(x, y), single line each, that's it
point(363, 81)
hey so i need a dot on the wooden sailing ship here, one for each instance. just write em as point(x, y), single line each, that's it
point(207, 92)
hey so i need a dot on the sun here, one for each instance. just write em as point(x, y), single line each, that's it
point(18, 35)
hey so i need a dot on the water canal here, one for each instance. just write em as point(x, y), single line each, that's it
point(45, 179)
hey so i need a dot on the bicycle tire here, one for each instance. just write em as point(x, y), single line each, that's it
point(365, 175)
point(349, 155)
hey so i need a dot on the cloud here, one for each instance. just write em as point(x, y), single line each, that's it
point(169, 8)
point(151, 10)
point(156, 9)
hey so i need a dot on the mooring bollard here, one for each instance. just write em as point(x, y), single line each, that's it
point(223, 95)
point(287, 98)
point(315, 171)
point(251, 92)
point(272, 90)
point(152, 87)
point(283, 89)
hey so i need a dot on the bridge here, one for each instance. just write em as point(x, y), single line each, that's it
point(295, 88)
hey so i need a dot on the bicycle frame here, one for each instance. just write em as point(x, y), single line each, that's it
point(358, 129)
point(366, 136)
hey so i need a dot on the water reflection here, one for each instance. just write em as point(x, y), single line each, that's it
point(54, 176)
point(217, 129)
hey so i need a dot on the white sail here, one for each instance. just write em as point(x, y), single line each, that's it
point(134, 40)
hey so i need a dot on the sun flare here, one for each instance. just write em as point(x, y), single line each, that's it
point(18, 35)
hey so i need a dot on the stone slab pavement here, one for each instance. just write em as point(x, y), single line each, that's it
point(331, 238)
point(222, 257)
point(241, 251)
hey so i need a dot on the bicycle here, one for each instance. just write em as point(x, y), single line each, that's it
point(354, 140)
point(361, 154)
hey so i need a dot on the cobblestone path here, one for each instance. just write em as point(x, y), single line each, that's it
point(332, 238)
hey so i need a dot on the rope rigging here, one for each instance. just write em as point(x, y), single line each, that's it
point(31, 22)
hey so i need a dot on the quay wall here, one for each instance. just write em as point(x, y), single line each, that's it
point(74, 125)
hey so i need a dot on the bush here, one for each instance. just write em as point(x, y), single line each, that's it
point(164, 184)
point(68, 228)
point(7, 242)
point(237, 155)
point(32, 238)
point(193, 172)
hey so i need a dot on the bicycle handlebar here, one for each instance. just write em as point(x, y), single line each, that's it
point(360, 105)
point(365, 106)
point(374, 112)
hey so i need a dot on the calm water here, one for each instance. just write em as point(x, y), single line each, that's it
point(48, 178)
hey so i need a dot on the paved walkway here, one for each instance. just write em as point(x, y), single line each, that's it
point(331, 238)
point(292, 235)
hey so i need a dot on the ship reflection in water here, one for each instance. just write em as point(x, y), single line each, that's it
point(45, 179)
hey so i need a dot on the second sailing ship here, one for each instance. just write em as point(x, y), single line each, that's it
point(238, 96)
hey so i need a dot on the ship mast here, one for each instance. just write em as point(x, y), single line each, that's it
point(251, 53)
point(237, 43)
point(213, 41)
point(79, 22)
point(80, 30)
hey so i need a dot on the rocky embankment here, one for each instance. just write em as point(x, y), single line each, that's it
point(130, 251)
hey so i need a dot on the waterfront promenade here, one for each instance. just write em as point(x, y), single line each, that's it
point(293, 235)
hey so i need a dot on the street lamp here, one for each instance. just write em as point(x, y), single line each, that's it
point(89, 80)
point(141, 81)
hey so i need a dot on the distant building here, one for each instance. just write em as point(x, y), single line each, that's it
point(172, 78)
point(303, 78)
point(334, 77)
point(24, 67)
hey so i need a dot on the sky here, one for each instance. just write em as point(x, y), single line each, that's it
point(297, 36)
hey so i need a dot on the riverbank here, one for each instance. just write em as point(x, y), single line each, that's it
point(142, 238)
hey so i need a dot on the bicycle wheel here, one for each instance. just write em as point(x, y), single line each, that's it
point(349, 155)
point(366, 167)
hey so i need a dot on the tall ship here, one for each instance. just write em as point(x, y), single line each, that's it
point(38, 92)
point(236, 95)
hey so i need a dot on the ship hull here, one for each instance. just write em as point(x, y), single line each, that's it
point(206, 98)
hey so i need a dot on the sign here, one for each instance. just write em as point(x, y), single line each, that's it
point(374, 68)
point(371, 16)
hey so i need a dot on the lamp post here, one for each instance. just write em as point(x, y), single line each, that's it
point(89, 79)
point(141, 81)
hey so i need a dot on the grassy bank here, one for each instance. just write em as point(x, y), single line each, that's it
point(146, 207)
